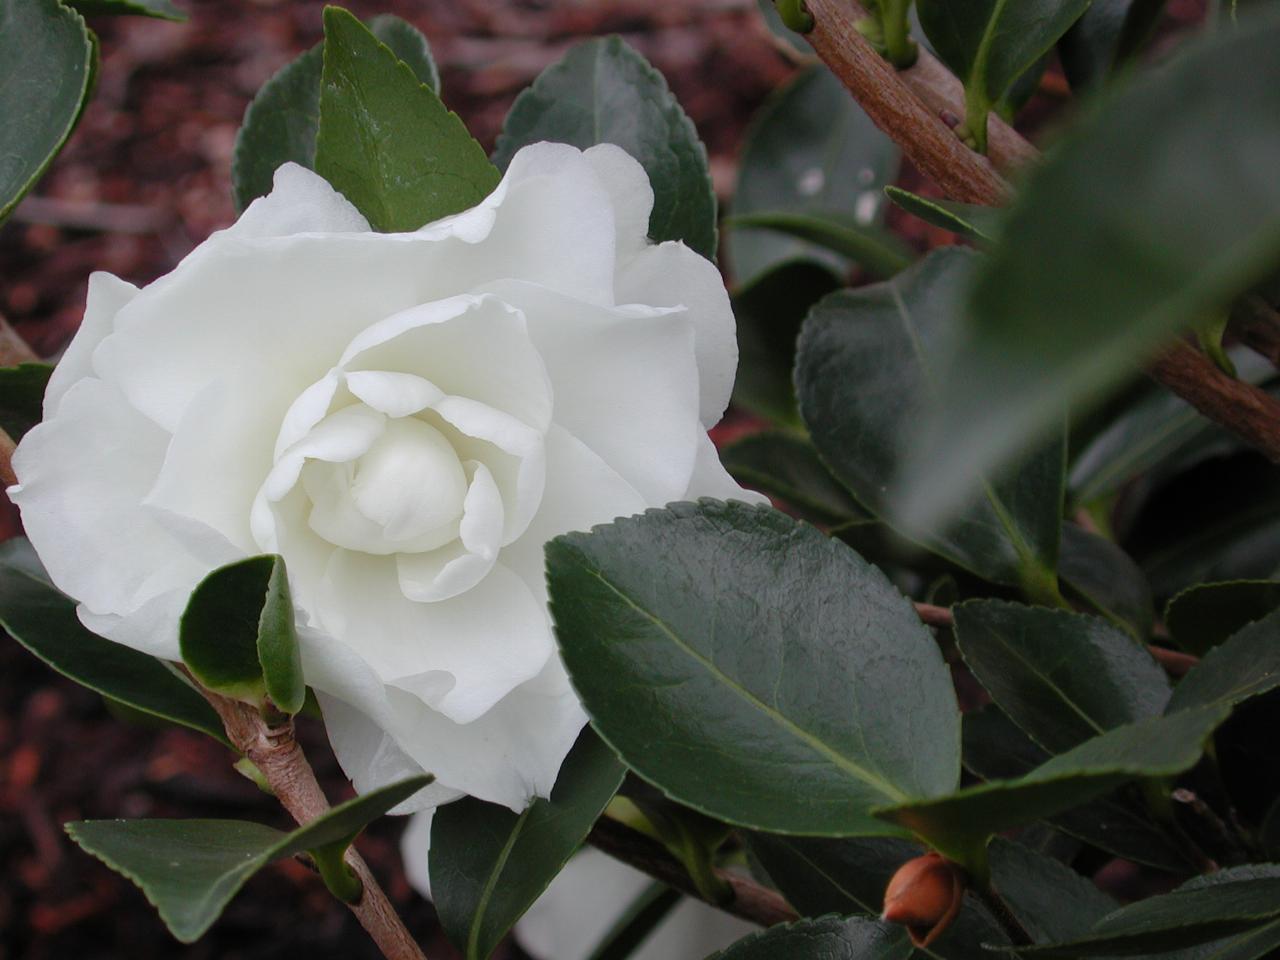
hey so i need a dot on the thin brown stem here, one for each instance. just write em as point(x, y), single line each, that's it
point(275, 751)
point(915, 107)
point(750, 900)
point(1251, 414)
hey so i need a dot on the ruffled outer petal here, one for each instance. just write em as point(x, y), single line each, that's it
point(626, 383)
point(670, 274)
point(82, 478)
point(107, 295)
point(711, 479)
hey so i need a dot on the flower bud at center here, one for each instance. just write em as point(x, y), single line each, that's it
point(924, 895)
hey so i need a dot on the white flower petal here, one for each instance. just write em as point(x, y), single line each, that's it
point(227, 432)
point(584, 491)
point(152, 627)
point(508, 755)
point(415, 847)
point(300, 201)
point(371, 759)
point(629, 191)
point(671, 274)
point(711, 479)
point(626, 384)
point(440, 574)
point(468, 346)
point(338, 438)
point(82, 477)
point(459, 656)
point(107, 295)
point(591, 894)
point(395, 394)
point(520, 474)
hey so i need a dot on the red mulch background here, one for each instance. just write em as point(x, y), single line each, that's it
point(144, 179)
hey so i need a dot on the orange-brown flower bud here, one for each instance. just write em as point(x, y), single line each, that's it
point(924, 896)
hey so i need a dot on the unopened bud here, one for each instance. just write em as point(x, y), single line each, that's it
point(924, 896)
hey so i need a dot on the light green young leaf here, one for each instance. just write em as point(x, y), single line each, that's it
point(190, 869)
point(280, 124)
point(385, 140)
point(47, 64)
point(1106, 228)
point(238, 638)
point(660, 627)
point(989, 44)
point(969, 220)
point(603, 91)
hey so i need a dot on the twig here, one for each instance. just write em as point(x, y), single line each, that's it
point(750, 900)
point(911, 106)
point(275, 751)
point(1250, 413)
point(1012, 927)
point(915, 113)
point(1175, 664)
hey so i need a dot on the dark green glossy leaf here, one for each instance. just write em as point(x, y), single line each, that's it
point(47, 60)
point(819, 876)
point(1120, 823)
point(643, 915)
point(603, 91)
point(1107, 578)
point(190, 869)
point(969, 220)
point(385, 140)
point(659, 619)
point(877, 251)
point(827, 938)
point(1206, 908)
point(44, 621)
point(989, 44)
point(1062, 677)
point(1049, 899)
point(1112, 203)
point(1203, 616)
point(1108, 34)
point(865, 361)
point(489, 864)
point(22, 397)
point(785, 465)
point(280, 124)
point(769, 311)
point(810, 148)
point(1155, 747)
point(238, 638)
point(161, 9)
point(1247, 665)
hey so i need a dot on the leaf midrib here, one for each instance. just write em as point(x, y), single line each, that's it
point(818, 746)
point(491, 885)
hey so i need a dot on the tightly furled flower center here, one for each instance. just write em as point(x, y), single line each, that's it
point(404, 494)
point(385, 462)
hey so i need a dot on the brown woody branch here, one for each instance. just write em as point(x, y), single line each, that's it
point(275, 752)
point(750, 900)
point(917, 107)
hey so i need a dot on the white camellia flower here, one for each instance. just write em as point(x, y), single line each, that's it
point(406, 418)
